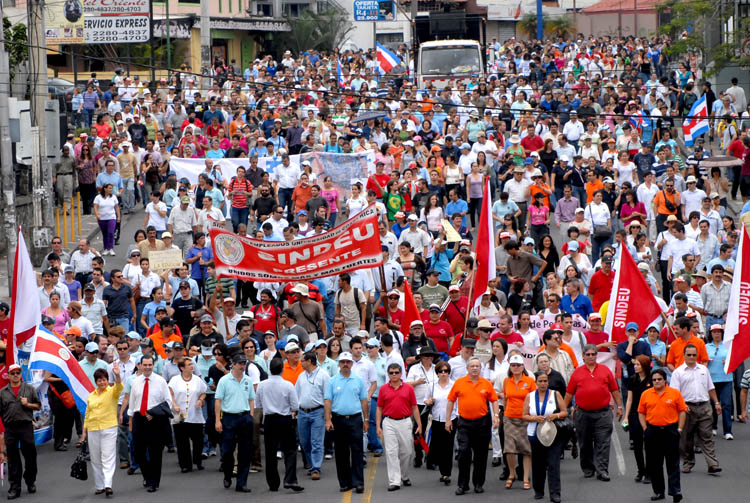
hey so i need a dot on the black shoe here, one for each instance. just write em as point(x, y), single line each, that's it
point(130, 471)
point(117, 242)
point(152, 489)
point(227, 483)
point(344, 489)
point(497, 461)
point(31, 488)
point(588, 475)
point(677, 498)
point(479, 489)
point(574, 451)
point(506, 473)
point(646, 479)
point(14, 494)
point(555, 499)
point(657, 497)
point(359, 489)
point(61, 447)
point(417, 463)
point(639, 478)
point(308, 466)
point(539, 496)
point(714, 469)
point(604, 477)
point(108, 492)
point(406, 482)
point(185, 470)
point(393, 488)
point(170, 450)
point(460, 491)
point(431, 467)
point(295, 488)
point(242, 489)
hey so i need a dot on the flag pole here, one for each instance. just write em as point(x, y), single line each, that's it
point(469, 307)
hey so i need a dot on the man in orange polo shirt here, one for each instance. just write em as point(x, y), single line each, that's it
point(661, 412)
point(474, 426)
point(292, 366)
point(676, 357)
point(165, 335)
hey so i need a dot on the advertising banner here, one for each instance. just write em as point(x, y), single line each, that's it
point(64, 22)
point(355, 244)
point(116, 21)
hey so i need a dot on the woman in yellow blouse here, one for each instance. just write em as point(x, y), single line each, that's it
point(100, 427)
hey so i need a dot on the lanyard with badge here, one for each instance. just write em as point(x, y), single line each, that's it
point(544, 406)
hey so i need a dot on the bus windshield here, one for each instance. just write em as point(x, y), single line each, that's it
point(450, 60)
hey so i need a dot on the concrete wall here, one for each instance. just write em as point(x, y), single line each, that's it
point(601, 24)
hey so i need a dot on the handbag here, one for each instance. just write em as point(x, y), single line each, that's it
point(66, 397)
point(602, 232)
point(565, 428)
point(79, 470)
point(161, 410)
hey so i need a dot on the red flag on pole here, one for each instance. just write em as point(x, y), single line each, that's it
point(631, 299)
point(411, 312)
point(485, 248)
point(25, 308)
point(737, 329)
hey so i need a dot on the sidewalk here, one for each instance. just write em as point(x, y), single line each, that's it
point(89, 229)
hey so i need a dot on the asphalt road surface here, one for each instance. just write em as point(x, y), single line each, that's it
point(55, 484)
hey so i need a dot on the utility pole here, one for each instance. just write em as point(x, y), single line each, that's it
point(414, 9)
point(169, 42)
point(539, 21)
point(6, 159)
point(205, 40)
point(43, 199)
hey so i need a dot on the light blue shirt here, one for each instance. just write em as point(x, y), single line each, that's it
point(459, 206)
point(716, 357)
point(380, 365)
point(115, 179)
point(203, 365)
point(657, 349)
point(311, 388)
point(235, 395)
point(90, 368)
point(346, 394)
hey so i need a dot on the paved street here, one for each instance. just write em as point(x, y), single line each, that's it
point(54, 481)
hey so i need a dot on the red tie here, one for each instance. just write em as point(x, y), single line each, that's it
point(144, 399)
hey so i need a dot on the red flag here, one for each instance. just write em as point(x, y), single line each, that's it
point(631, 299)
point(25, 309)
point(485, 248)
point(518, 11)
point(737, 329)
point(411, 312)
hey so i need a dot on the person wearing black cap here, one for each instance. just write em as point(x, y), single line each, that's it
point(234, 421)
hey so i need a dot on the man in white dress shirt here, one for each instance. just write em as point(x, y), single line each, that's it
point(148, 425)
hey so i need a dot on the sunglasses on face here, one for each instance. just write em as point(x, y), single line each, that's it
point(443, 371)
point(15, 373)
point(394, 372)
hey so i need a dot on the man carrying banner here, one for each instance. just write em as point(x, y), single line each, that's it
point(18, 401)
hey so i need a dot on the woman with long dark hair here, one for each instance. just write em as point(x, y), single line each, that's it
point(441, 441)
point(107, 212)
point(86, 168)
point(637, 384)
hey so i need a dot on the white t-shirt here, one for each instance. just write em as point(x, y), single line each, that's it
point(624, 172)
point(106, 207)
point(678, 248)
point(154, 218)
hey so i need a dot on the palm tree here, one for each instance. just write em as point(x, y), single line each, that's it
point(560, 27)
point(527, 24)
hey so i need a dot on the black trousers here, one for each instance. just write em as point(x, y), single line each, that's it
point(594, 430)
point(545, 464)
point(19, 439)
point(237, 433)
point(636, 436)
point(148, 445)
point(88, 193)
point(663, 446)
point(347, 443)
point(184, 435)
point(441, 448)
point(424, 415)
point(473, 438)
point(63, 420)
point(279, 432)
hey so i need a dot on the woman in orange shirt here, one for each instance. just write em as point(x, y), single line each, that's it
point(516, 386)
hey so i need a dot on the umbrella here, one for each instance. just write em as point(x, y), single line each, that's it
point(721, 161)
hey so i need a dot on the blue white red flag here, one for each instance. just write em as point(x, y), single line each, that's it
point(697, 122)
point(51, 354)
point(340, 75)
point(387, 60)
point(25, 309)
point(638, 120)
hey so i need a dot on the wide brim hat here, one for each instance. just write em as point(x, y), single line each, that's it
point(546, 433)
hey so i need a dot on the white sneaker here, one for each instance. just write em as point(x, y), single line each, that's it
point(279, 455)
point(728, 436)
point(713, 432)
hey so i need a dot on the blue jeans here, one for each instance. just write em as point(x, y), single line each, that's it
point(373, 442)
point(332, 219)
point(710, 320)
point(123, 322)
point(237, 435)
point(239, 216)
point(285, 201)
point(724, 394)
point(139, 311)
point(329, 305)
point(88, 114)
point(311, 430)
point(596, 247)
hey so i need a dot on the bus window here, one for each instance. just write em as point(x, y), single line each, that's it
point(450, 60)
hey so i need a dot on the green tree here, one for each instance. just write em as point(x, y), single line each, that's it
point(324, 31)
point(15, 44)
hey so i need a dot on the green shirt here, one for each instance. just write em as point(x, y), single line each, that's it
point(433, 294)
point(226, 286)
point(393, 203)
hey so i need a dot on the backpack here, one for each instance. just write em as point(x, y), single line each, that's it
point(687, 102)
point(368, 306)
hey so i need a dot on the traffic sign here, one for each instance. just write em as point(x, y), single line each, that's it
point(374, 10)
point(746, 47)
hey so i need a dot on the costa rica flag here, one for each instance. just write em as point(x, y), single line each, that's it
point(387, 60)
point(697, 122)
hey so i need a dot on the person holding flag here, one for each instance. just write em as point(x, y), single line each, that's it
point(18, 401)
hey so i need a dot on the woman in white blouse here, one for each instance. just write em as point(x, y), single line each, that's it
point(598, 213)
point(441, 442)
point(498, 365)
point(188, 396)
point(356, 202)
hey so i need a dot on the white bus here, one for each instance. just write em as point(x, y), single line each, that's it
point(449, 62)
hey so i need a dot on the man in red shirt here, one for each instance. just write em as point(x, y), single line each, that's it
point(438, 330)
point(455, 311)
point(505, 331)
point(378, 180)
point(391, 312)
point(597, 336)
point(591, 385)
point(600, 286)
point(531, 142)
point(397, 404)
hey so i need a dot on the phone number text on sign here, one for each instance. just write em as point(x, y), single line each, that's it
point(117, 29)
point(115, 7)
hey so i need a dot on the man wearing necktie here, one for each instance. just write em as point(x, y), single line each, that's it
point(149, 423)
